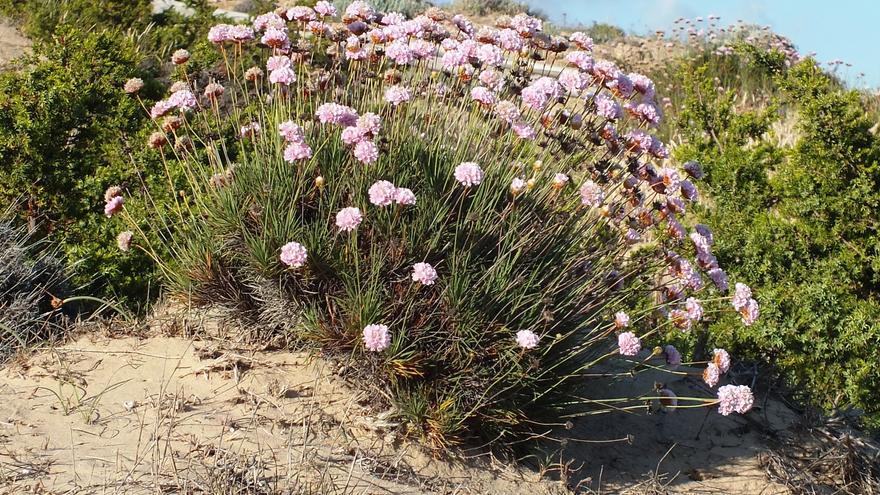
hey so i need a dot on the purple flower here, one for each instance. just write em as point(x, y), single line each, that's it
point(735, 398)
point(377, 338)
point(750, 312)
point(719, 278)
point(628, 344)
point(606, 107)
point(293, 254)
point(673, 357)
point(483, 95)
point(469, 174)
point(527, 339)
point(348, 219)
point(581, 40)
point(581, 60)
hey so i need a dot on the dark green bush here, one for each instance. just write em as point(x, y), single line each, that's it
point(801, 223)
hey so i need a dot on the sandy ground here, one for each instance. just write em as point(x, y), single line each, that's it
point(12, 42)
point(175, 415)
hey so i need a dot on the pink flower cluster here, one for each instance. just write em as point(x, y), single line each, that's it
point(735, 398)
point(359, 132)
point(469, 174)
point(527, 339)
point(384, 193)
point(628, 344)
point(297, 148)
point(377, 338)
point(424, 273)
point(293, 254)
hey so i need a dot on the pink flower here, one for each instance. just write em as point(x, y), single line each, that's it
point(741, 296)
point(240, 33)
point(694, 309)
point(180, 57)
point(591, 194)
point(301, 13)
point(424, 273)
point(493, 79)
point(735, 398)
point(628, 344)
point(399, 51)
point(621, 319)
point(369, 123)
point(325, 9)
point(712, 374)
point(573, 80)
point(673, 357)
point(269, 20)
point(469, 174)
point(366, 152)
point(483, 95)
point(643, 85)
point(606, 107)
point(397, 95)
point(540, 92)
point(334, 113)
point(560, 180)
point(527, 339)
point(582, 41)
point(297, 151)
point(377, 338)
point(353, 135)
point(183, 99)
point(293, 254)
point(291, 132)
point(219, 33)
point(284, 75)
point(750, 312)
point(354, 50)
point(348, 219)
point(581, 60)
point(509, 40)
point(404, 196)
point(359, 9)
point(133, 85)
point(277, 62)
point(160, 108)
point(507, 111)
point(382, 193)
point(721, 359)
point(275, 38)
point(523, 130)
point(490, 55)
point(113, 206)
point(517, 185)
point(680, 319)
point(526, 25)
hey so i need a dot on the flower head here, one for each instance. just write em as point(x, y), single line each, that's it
point(560, 180)
point(712, 374)
point(591, 194)
point(694, 309)
point(527, 339)
point(469, 174)
point(133, 85)
point(366, 152)
point(382, 193)
point(123, 240)
point(397, 95)
point(721, 359)
point(348, 219)
point(424, 273)
point(741, 296)
point(113, 206)
point(180, 57)
point(628, 344)
point(293, 254)
point(735, 398)
point(377, 338)
point(297, 150)
point(621, 319)
point(404, 196)
point(673, 357)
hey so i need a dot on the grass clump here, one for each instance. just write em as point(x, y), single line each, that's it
point(420, 200)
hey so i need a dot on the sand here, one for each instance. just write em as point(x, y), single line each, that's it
point(12, 42)
point(171, 414)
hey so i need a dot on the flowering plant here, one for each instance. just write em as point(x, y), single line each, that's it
point(472, 214)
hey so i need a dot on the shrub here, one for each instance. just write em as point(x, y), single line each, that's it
point(463, 238)
point(800, 222)
point(66, 131)
point(32, 276)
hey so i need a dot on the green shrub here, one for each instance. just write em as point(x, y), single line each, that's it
point(800, 222)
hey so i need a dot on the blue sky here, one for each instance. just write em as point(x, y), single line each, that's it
point(842, 29)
